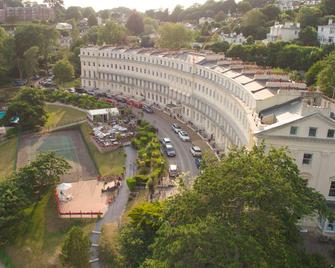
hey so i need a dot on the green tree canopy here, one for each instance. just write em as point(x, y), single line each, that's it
point(28, 105)
point(308, 36)
point(326, 77)
point(64, 71)
point(253, 23)
point(135, 23)
point(30, 61)
point(313, 72)
point(74, 12)
point(76, 249)
point(112, 33)
point(92, 20)
point(174, 36)
point(328, 7)
point(242, 212)
point(309, 16)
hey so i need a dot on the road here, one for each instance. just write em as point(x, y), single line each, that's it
point(183, 159)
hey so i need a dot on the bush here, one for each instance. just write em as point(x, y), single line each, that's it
point(131, 182)
point(141, 179)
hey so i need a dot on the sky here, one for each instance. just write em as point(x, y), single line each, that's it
point(140, 5)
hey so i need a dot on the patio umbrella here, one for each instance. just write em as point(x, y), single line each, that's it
point(64, 186)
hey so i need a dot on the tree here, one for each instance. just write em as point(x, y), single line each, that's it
point(253, 23)
point(326, 77)
point(76, 249)
point(313, 71)
point(41, 174)
point(244, 6)
point(73, 13)
point(136, 237)
point(220, 46)
point(135, 23)
point(309, 16)
point(328, 7)
point(92, 20)
point(112, 33)
point(174, 36)
point(12, 200)
point(104, 14)
point(87, 12)
point(28, 105)
point(64, 71)
point(54, 3)
point(30, 61)
point(308, 36)
point(242, 212)
point(271, 12)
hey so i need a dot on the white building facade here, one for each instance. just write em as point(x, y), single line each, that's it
point(286, 32)
point(233, 38)
point(235, 103)
point(326, 33)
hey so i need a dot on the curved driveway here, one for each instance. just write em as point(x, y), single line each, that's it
point(183, 159)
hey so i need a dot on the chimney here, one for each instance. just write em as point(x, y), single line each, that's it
point(330, 21)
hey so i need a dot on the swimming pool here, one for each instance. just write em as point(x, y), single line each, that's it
point(2, 114)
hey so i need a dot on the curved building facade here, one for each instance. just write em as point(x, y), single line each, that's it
point(234, 102)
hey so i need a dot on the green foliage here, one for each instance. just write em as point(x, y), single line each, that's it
point(42, 173)
point(309, 16)
point(136, 237)
point(326, 77)
point(24, 187)
point(92, 20)
point(253, 23)
point(328, 7)
point(81, 101)
point(279, 54)
point(73, 13)
point(220, 46)
point(29, 106)
point(76, 249)
point(131, 183)
point(308, 36)
point(64, 71)
point(174, 36)
point(135, 23)
point(242, 212)
point(30, 61)
point(313, 71)
point(112, 33)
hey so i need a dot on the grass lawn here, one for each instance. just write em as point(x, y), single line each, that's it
point(41, 235)
point(59, 115)
point(8, 157)
point(110, 163)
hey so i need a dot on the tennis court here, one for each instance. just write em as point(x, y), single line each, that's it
point(68, 144)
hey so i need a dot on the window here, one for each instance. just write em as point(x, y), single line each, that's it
point(293, 130)
point(332, 189)
point(312, 132)
point(307, 159)
point(331, 133)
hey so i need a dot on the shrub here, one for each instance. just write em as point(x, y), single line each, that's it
point(131, 182)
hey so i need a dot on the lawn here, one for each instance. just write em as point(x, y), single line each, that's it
point(60, 116)
point(41, 235)
point(8, 157)
point(110, 163)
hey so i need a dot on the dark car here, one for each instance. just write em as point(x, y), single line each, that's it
point(169, 150)
point(19, 82)
point(176, 128)
point(147, 109)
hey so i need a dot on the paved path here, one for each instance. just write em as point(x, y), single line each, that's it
point(117, 208)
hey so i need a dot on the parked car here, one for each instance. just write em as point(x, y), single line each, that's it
point(176, 128)
point(198, 161)
point(72, 90)
point(165, 141)
point(184, 136)
point(19, 82)
point(169, 150)
point(35, 77)
point(173, 171)
point(195, 151)
point(147, 109)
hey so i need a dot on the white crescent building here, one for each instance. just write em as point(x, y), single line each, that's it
point(239, 104)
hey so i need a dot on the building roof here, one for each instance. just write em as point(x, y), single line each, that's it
point(113, 111)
